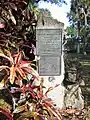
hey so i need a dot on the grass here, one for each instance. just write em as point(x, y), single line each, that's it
point(85, 63)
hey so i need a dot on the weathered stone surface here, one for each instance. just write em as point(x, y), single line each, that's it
point(73, 97)
point(49, 22)
point(50, 65)
point(49, 41)
point(49, 48)
point(85, 76)
point(72, 81)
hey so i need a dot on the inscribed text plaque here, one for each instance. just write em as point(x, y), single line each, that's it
point(49, 66)
point(48, 41)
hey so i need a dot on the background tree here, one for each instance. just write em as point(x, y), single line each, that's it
point(71, 31)
point(79, 16)
point(52, 1)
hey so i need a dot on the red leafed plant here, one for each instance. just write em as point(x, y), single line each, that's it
point(36, 104)
point(18, 68)
point(20, 97)
point(27, 99)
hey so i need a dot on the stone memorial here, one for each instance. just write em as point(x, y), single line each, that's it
point(49, 47)
point(50, 56)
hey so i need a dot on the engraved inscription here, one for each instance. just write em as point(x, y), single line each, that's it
point(48, 41)
point(49, 65)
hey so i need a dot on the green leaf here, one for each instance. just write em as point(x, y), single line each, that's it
point(20, 109)
point(30, 114)
point(5, 109)
point(4, 105)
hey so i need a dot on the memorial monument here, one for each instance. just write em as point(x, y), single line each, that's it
point(49, 39)
point(49, 46)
